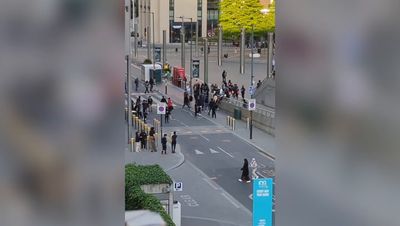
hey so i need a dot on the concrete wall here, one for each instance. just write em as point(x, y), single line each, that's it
point(262, 122)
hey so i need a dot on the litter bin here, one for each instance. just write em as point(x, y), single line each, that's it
point(237, 113)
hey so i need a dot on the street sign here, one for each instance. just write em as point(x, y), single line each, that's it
point(262, 202)
point(178, 186)
point(157, 54)
point(196, 68)
point(252, 90)
point(161, 107)
point(252, 104)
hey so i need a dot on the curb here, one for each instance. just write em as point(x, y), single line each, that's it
point(181, 156)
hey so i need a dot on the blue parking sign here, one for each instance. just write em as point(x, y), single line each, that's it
point(262, 202)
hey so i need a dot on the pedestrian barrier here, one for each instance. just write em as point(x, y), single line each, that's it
point(156, 125)
point(230, 121)
point(135, 121)
point(126, 114)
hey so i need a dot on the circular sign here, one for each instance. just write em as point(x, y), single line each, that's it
point(161, 109)
point(252, 105)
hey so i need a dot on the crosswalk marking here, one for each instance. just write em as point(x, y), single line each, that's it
point(155, 99)
point(213, 151)
point(198, 152)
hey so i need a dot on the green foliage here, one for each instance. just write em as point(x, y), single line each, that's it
point(141, 175)
point(235, 14)
point(147, 61)
point(135, 198)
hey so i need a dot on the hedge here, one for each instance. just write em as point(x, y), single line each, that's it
point(135, 198)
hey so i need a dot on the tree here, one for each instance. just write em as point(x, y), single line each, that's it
point(235, 14)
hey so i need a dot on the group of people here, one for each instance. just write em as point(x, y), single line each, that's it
point(144, 141)
point(168, 110)
point(142, 106)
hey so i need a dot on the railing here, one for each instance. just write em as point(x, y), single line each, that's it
point(263, 111)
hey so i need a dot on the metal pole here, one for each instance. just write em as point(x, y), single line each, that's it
point(191, 56)
point(219, 46)
point(148, 42)
point(251, 82)
point(154, 55)
point(270, 55)
point(183, 45)
point(135, 38)
point(164, 47)
point(161, 134)
point(205, 60)
point(197, 39)
point(242, 36)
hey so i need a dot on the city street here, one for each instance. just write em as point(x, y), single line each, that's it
point(213, 156)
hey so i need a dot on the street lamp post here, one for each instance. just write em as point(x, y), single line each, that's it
point(252, 80)
point(191, 52)
point(154, 55)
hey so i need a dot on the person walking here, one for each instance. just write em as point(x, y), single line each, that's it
point(166, 116)
point(152, 140)
point(243, 90)
point(253, 165)
point(245, 172)
point(186, 101)
point(173, 142)
point(163, 100)
point(224, 76)
point(143, 140)
point(151, 84)
point(164, 144)
point(213, 111)
point(210, 106)
point(170, 105)
point(136, 83)
point(150, 103)
point(137, 142)
point(146, 85)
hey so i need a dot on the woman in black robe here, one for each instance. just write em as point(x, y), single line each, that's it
point(245, 172)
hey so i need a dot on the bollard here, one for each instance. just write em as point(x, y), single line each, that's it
point(126, 114)
point(132, 144)
point(247, 122)
point(227, 120)
point(233, 123)
point(133, 120)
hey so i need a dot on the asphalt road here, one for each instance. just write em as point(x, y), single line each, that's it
point(212, 194)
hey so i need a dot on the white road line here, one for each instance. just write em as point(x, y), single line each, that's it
point(230, 200)
point(198, 152)
point(204, 137)
point(260, 174)
point(213, 151)
point(210, 183)
point(225, 152)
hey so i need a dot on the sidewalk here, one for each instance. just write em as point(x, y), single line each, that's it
point(167, 162)
point(261, 140)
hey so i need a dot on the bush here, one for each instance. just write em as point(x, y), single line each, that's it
point(147, 61)
point(135, 198)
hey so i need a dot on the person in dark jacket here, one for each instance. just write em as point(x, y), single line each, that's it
point(186, 101)
point(164, 144)
point(243, 90)
point(245, 172)
point(136, 83)
point(173, 142)
point(143, 139)
point(213, 109)
point(137, 142)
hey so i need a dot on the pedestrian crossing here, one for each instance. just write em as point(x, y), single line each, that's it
point(210, 150)
point(199, 130)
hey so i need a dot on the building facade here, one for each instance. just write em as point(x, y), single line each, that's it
point(167, 16)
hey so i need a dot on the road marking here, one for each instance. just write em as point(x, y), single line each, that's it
point(251, 196)
point(198, 152)
point(193, 138)
point(204, 137)
point(210, 183)
point(225, 152)
point(226, 140)
point(260, 174)
point(213, 151)
point(230, 200)
point(204, 131)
